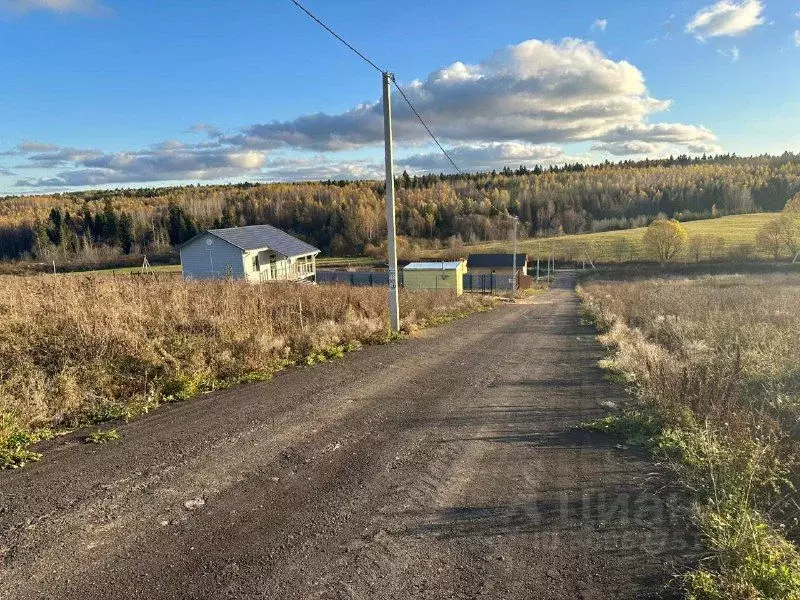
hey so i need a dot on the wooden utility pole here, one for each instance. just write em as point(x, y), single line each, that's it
point(514, 263)
point(391, 240)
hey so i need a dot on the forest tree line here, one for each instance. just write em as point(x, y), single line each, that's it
point(433, 211)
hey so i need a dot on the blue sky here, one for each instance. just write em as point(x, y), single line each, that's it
point(112, 93)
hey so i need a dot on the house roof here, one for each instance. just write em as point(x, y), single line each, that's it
point(495, 261)
point(432, 266)
point(255, 237)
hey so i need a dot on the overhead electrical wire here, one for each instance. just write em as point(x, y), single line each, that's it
point(425, 125)
point(338, 37)
point(399, 89)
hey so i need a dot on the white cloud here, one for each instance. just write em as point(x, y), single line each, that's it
point(488, 156)
point(632, 148)
point(166, 162)
point(599, 25)
point(320, 168)
point(796, 38)
point(518, 106)
point(727, 18)
point(734, 53)
point(58, 6)
point(536, 92)
point(653, 149)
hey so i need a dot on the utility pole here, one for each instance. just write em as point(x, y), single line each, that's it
point(514, 263)
point(391, 241)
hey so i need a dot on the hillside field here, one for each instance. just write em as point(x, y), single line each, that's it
point(720, 237)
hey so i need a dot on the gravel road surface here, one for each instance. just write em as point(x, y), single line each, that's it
point(444, 466)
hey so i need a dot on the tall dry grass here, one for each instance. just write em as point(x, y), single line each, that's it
point(77, 348)
point(716, 364)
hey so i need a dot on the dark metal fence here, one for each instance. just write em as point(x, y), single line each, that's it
point(357, 278)
point(486, 283)
point(479, 283)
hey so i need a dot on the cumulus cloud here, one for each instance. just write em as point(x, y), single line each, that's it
point(57, 6)
point(487, 156)
point(89, 167)
point(320, 168)
point(515, 107)
point(631, 148)
point(536, 92)
point(796, 38)
point(726, 18)
point(599, 25)
point(661, 149)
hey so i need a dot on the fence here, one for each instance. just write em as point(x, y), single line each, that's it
point(486, 283)
point(358, 278)
point(480, 283)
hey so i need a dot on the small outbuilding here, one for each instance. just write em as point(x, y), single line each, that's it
point(497, 264)
point(435, 276)
point(257, 253)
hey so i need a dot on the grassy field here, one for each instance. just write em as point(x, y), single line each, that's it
point(78, 350)
point(128, 270)
point(710, 239)
point(722, 237)
point(327, 262)
point(715, 364)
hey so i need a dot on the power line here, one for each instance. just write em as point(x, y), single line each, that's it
point(377, 68)
point(402, 93)
point(428, 129)
point(337, 36)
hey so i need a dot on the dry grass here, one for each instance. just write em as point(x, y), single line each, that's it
point(715, 239)
point(716, 363)
point(79, 349)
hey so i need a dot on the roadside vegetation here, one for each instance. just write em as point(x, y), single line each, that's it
point(79, 350)
point(714, 363)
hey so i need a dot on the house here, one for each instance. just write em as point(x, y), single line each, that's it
point(497, 264)
point(257, 253)
point(435, 276)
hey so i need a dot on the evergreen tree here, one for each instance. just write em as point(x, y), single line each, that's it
point(54, 228)
point(125, 232)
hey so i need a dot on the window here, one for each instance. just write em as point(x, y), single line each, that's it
point(256, 266)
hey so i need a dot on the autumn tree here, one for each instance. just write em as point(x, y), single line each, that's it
point(788, 226)
point(622, 249)
point(697, 245)
point(770, 238)
point(664, 239)
point(793, 205)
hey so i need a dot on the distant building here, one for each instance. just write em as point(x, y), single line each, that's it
point(257, 253)
point(435, 276)
point(497, 264)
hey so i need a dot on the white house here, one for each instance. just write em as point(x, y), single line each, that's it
point(257, 253)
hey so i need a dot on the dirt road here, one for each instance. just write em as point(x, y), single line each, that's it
point(439, 467)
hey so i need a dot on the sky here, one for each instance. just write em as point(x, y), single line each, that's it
point(133, 93)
